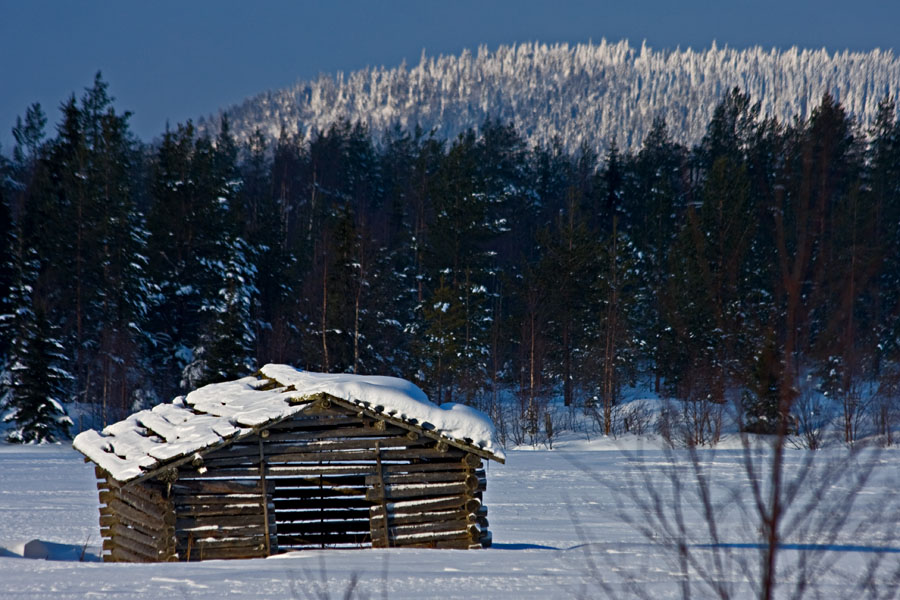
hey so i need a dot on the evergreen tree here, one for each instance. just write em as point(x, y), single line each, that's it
point(36, 384)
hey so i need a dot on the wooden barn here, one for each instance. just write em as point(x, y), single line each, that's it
point(288, 460)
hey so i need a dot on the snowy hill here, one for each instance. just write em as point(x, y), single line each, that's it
point(586, 93)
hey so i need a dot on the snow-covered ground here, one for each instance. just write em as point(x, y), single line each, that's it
point(563, 521)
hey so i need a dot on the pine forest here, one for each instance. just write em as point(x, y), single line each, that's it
point(720, 252)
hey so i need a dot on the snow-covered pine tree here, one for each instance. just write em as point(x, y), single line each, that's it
point(226, 349)
point(35, 385)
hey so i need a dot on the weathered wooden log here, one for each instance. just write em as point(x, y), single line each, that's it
point(121, 554)
point(149, 553)
point(298, 541)
point(287, 453)
point(472, 460)
point(430, 538)
point(212, 510)
point(118, 530)
point(323, 480)
point(430, 504)
point(422, 517)
point(316, 492)
point(365, 455)
point(323, 527)
point(399, 531)
point(223, 552)
point(317, 515)
point(313, 470)
point(183, 524)
point(127, 512)
point(299, 422)
point(248, 472)
point(394, 492)
point(223, 533)
point(289, 504)
point(423, 477)
point(357, 431)
point(185, 499)
point(191, 487)
point(154, 511)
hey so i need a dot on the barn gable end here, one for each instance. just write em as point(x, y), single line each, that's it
point(325, 471)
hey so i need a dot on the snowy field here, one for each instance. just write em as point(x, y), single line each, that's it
point(564, 526)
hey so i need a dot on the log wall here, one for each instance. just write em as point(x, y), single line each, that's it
point(137, 522)
point(223, 504)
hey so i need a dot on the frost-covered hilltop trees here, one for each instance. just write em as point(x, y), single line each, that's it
point(591, 94)
point(756, 267)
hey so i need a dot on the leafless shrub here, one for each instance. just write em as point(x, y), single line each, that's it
point(691, 422)
point(886, 407)
point(813, 419)
point(774, 510)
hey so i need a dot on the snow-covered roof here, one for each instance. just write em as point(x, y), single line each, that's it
point(217, 413)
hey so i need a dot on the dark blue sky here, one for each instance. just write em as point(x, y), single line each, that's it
point(174, 60)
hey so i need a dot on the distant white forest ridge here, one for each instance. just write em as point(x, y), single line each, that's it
point(584, 94)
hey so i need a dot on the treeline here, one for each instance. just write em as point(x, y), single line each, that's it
point(488, 271)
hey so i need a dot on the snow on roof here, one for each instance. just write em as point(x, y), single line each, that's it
point(215, 413)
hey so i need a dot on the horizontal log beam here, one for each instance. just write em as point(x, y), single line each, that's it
point(191, 523)
point(422, 517)
point(294, 504)
point(295, 541)
point(429, 490)
point(185, 487)
point(324, 527)
point(359, 514)
point(212, 510)
point(127, 512)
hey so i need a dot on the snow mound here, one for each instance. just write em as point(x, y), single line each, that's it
point(215, 414)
